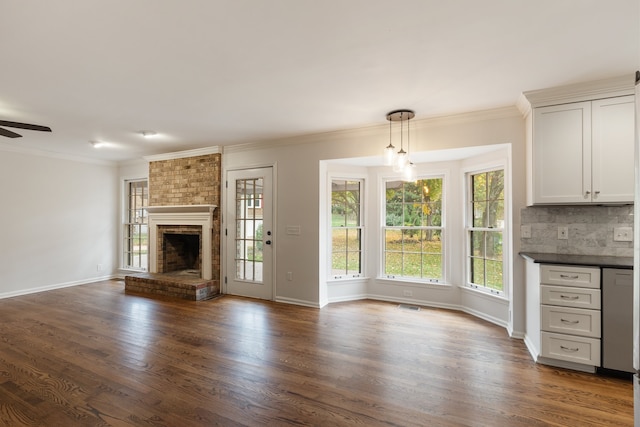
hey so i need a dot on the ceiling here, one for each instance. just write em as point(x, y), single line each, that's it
point(202, 73)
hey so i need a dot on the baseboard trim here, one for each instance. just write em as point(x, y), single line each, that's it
point(55, 286)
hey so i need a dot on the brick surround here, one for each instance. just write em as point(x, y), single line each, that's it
point(189, 181)
point(184, 182)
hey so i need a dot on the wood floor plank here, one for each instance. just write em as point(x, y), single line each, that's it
point(94, 356)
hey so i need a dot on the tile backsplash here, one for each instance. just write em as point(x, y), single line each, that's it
point(590, 228)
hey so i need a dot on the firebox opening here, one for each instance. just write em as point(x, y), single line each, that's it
point(181, 253)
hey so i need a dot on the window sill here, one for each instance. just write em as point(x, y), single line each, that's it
point(347, 280)
point(132, 270)
point(484, 293)
point(414, 283)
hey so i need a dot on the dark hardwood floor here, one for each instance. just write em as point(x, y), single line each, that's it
point(94, 356)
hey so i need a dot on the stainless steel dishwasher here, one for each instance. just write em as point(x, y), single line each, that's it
point(617, 319)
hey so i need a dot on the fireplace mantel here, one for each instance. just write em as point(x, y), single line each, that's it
point(181, 209)
point(200, 215)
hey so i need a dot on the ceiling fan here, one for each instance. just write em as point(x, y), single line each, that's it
point(11, 134)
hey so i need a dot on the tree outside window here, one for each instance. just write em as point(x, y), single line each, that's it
point(413, 230)
point(485, 230)
point(346, 228)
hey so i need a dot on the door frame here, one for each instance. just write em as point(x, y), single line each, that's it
point(225, 213)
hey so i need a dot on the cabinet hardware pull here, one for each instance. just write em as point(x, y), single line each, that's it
point(569, 348)
point(595, 194)
point(569, 297)
point(566, 276)
point(586, 194)
point(571, 322)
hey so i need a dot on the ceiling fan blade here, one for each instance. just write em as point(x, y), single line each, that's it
point(27, 126)
point(9, 134)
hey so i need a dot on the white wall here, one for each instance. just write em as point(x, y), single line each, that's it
point(59, 219)
point(300, 170)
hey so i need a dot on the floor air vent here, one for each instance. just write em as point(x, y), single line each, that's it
point(409, 307)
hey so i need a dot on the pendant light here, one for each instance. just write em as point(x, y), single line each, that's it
point(400, 160)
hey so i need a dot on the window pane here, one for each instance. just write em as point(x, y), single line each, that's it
point(394, 192)
point(393, 263)
point(494, 274)
point(431, 214)
point(496, 185)
point(413, 251)
point(346, 239)
point(477, 271)
point(394, 215)
point(411, 240)
point(487, 203)
point(412, 214)
point(353, 214)
point(339, 248)
point(412, 192)
point(353, 239)
point(393, 240)
point(432, 266)
point(496, 213)
point(431, 241)
point(135, 239)
point(480, 214)
point(493, 248)
point(412, 265)
point(353, 263)
point(477, 243)
point(479, 187)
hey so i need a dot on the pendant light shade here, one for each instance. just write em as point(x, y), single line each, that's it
point(399, 161)
point(389, 155)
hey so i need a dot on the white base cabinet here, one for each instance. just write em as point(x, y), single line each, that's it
point(570, 314)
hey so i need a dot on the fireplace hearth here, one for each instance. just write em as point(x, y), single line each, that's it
point(180, 254)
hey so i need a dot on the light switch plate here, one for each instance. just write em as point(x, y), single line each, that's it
point(525, 231)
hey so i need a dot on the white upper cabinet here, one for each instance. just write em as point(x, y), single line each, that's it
point(612, 149)
point(583, 152)
point(562, 153)
point(581, 144)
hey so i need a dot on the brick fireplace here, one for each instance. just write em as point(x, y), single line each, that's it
point(184, 227)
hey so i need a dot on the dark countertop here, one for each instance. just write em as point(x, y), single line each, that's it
point(592, 260)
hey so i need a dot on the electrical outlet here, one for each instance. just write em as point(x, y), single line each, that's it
point(525, 231)
point(99, 267)
point(563, 233)
point(623, 234)
point(407, 293)
point(289, 276)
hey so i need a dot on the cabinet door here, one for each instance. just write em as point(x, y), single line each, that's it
point(562, 153)
point(612, 149)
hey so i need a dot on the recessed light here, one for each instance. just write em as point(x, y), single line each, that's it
point(148, 133)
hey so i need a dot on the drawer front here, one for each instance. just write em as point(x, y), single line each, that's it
point(571, 297)
point(574, 321)
point(571, 348)
point(563, 275)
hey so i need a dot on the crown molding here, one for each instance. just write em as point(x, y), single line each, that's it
point(42, 153)
point(577, 92)
point(377, 130)
point(183, 154)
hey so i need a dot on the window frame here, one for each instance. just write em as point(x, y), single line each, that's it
point(361, 228)
point(470, 228)
point(127, 224)
point(443, 176)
